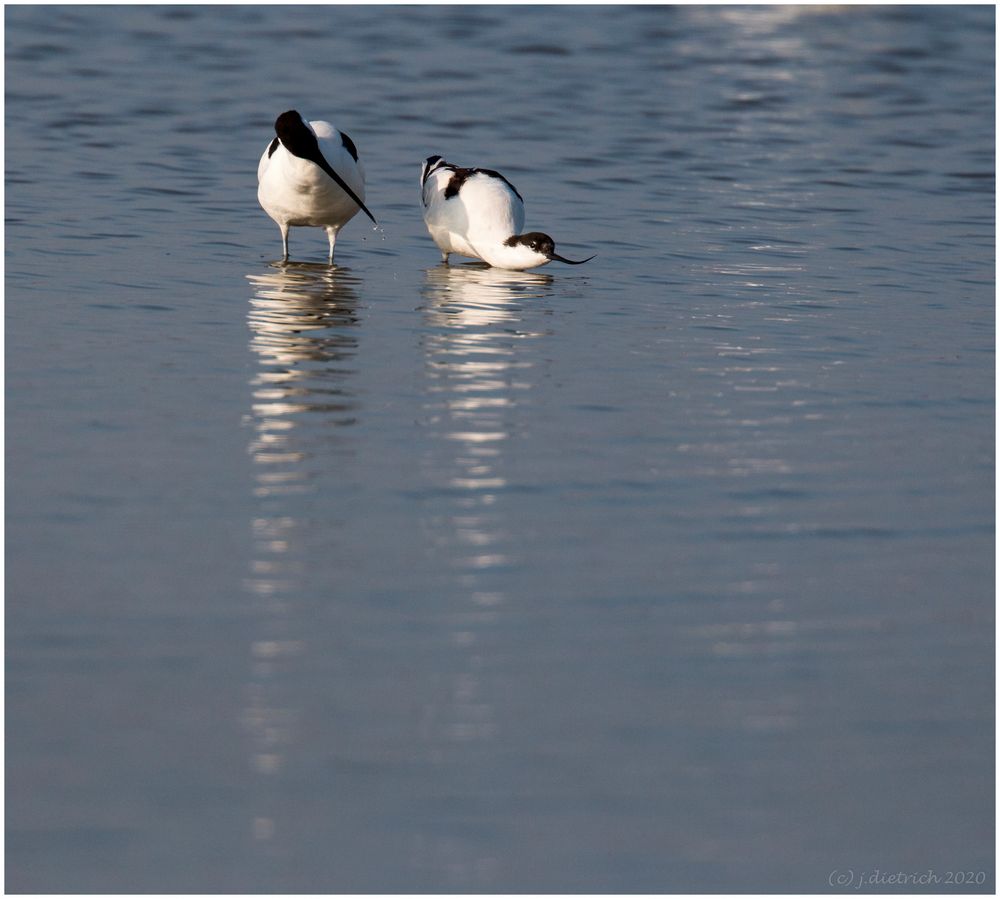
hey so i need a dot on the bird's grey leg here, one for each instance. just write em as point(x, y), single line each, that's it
point(444, 257)
point(331, 234)
point(284, 241)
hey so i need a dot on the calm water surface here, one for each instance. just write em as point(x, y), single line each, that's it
point(671, 572)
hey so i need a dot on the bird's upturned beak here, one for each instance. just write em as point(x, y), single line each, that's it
point(559, 258)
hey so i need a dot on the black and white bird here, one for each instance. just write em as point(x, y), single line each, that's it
point(479, 213)
point(310, 177)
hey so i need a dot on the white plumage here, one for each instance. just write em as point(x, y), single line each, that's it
point(479, 213)
point(310, 176)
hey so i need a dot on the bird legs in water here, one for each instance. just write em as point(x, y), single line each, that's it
point(331, 234)
point(284, 241)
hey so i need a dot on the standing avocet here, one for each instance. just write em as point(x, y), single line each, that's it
point(310, 176)
point(479, 213)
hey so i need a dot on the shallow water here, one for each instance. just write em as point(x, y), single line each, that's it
point(670, 572)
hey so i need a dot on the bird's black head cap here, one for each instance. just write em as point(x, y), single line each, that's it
point(542, 243)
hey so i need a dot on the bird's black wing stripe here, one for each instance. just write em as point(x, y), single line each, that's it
point(274, 146)
point(454, 185)
point(349, 146)
point(494, 174)
point(463, 175)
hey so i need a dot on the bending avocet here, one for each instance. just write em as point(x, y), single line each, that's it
point(479, 213)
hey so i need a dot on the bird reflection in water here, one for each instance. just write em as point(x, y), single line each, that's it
point(303, 327)
point(477, 376)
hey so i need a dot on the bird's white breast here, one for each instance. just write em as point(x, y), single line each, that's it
point(298, 192)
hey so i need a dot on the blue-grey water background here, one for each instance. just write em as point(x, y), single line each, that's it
point(669, 572)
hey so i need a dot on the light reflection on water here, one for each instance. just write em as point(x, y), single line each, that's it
point(303, 325)
point(305, 336)
point(473, 370)
point(302, 318)
point(475, 379)
point(476, 376)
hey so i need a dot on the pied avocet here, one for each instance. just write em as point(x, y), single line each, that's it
point(479, 213)
point(310, 176)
